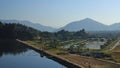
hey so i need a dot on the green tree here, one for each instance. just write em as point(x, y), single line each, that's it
point(71, 49)
point(54, 43)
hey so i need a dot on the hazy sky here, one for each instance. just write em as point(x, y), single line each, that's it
point(57, 13)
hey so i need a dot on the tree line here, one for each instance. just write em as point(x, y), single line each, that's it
point(19, 31)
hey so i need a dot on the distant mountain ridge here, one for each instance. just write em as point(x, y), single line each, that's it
point(30, 24)
point(90, 25)
point(87, 24)
point(115, 26)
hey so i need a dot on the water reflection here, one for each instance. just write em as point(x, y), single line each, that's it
point(13, 48)
point(16, 55)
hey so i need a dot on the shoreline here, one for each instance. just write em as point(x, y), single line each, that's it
point(73, 60)
point(54, 57)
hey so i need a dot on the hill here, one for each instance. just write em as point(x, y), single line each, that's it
point(30, 24)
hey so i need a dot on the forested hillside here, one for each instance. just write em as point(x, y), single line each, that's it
point(23, 32)
point(17, 31)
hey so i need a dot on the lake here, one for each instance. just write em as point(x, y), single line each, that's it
point(16, 55)
point(94, 45)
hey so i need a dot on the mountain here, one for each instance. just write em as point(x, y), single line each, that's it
point(87, 24)
point(115, 26)
point(30, 24)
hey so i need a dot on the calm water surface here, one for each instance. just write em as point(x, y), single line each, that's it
point(18, 56)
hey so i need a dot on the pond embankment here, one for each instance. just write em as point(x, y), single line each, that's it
point(55, 57)
point(74, 60)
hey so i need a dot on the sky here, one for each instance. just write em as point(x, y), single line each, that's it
point(58, 13)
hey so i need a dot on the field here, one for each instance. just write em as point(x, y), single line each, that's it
point(116, 54)
point(87, 62)
point(117, 49)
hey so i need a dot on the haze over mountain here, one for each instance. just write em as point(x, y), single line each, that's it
point(115, 26)
point(90, 25)
point(87, 24)
point(30, 24)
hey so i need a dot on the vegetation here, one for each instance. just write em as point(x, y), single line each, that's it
point(116, 58)
point(7, 31)
point(17, 31)
point(26, 33)
point(54, 42)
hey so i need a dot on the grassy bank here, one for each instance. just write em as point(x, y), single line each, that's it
point(46, 47)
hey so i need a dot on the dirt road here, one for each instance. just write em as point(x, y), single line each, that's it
point(117, 44)
point(90, 62)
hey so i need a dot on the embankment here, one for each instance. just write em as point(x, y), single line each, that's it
point(57, 58)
